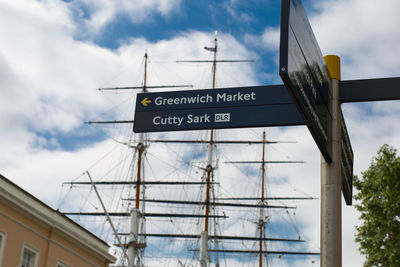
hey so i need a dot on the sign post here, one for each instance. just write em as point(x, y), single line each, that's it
point(331, 178)
point(314, 86)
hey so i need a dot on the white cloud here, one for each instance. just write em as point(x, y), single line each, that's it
point(103, 12)
point(363, 33)
point(49, 81)
point(234, 9)
point(190, 46)
point(270, 38)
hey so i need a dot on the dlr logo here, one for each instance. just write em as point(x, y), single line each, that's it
point(222, 117)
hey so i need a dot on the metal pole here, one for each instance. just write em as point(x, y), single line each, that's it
point(140, 148)
point(203, 249)
point(133, 237)
point(145, 73)
point(209, 170)
point(135, 212)
point(331, 182)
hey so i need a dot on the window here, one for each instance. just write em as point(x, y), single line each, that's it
point(30, 257)
point(2, 245)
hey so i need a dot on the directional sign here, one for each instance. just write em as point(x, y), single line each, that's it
point(229, 108)
point(215, 109)
point(303, 71)
point(370, 90)
point(346, 164)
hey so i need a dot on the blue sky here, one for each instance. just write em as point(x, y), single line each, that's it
point(237, 18)
point(54, 54)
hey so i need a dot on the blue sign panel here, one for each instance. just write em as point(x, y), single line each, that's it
point(304, 73)
point(215, 109)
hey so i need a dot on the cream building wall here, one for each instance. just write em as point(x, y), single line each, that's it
point(53, 239)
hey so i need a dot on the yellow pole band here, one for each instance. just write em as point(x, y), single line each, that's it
point(333, 65)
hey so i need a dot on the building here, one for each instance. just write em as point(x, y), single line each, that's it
point(34, 235)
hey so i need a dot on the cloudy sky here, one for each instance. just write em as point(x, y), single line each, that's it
point(54, 54)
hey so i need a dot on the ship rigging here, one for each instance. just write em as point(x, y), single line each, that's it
point(134, 241)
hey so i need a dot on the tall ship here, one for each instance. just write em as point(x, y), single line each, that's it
point(191, 198)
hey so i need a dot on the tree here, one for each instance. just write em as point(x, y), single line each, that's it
point(379, 204)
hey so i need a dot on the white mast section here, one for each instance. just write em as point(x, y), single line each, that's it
point(133, 237)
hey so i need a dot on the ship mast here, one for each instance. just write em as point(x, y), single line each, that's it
point(140, 145)
point(209, 170)
point(135, 212)
point(209, 167)
point(262, 219)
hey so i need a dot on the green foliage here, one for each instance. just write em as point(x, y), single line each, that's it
point(379, 204)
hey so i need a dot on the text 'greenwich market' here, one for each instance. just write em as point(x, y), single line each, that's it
point(220, 97)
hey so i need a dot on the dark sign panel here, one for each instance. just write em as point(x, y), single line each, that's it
point(213, 98)
point(347, 165)
point(215, 109)
point(217, 118)
point(303, 71)
point(370, 90)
